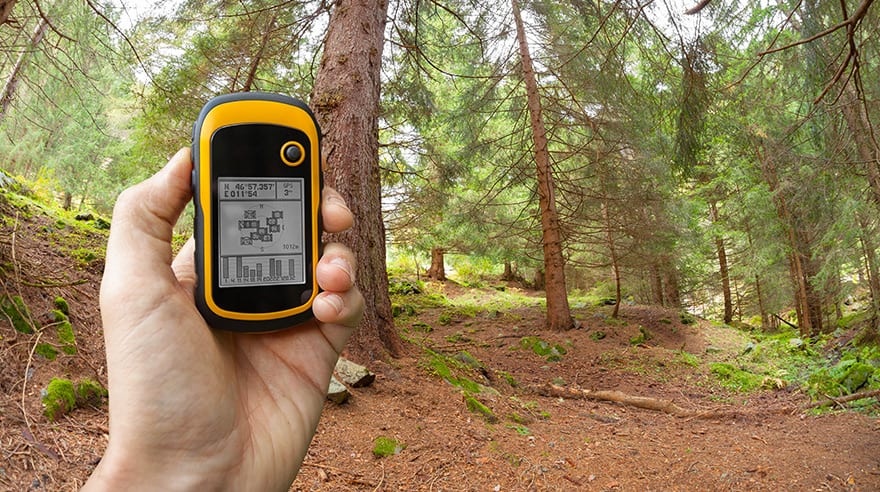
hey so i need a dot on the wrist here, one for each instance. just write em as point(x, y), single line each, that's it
point(124, 471)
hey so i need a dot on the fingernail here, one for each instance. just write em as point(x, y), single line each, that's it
point(344, 265)
point(338, 200)
point(335, 300)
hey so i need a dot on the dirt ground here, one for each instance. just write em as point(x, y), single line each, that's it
point(759, 441)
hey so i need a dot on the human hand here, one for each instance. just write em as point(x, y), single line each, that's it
point(194, 408)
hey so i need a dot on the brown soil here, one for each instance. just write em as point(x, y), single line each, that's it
point(759, 441)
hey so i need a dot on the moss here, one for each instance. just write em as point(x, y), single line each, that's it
point(643, 336)
point(735, 378)
point(552, 353)
point(89, 392)
point(18, 313)
point(63, 396)
point(58, 316)
point(61, 305)
point(686, 318)
point(66, 337)
point(60, 398)
point(386, 446)
point(598, 335)
point(479, 408)
point(46, 350)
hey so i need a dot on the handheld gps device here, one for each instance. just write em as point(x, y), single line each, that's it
point(257, 190)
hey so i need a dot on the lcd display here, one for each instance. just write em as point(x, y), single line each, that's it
point(261, 224)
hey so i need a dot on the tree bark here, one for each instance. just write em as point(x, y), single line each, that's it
point(5, 10)
point(345, 100)
point(558, 311)
point(722, 264)
point(15, 75)
point(656, 285)
point(438, 267)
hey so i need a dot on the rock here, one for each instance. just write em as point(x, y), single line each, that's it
point(85, 216)
point(749, 347)
point(354, 375)
point(337, 392)
point(795, 343)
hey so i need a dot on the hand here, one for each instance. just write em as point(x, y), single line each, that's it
point(194, 408)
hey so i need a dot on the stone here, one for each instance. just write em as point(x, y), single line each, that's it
point(354, 375)
point(337, 392)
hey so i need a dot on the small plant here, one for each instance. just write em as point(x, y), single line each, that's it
point(422, 327)
point(509, 378)
point(686, 318)
point(688, 358)
point(386, 446)
point(444, 319)
point(598, 335)
point(643, 336)
point(553, 353)
point(521, 430)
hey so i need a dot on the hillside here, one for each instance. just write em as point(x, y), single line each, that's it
point(464, 404)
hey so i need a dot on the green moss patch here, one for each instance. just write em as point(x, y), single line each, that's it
point(476, 406)
point(18, 314)
point(62, 396)
point(735, 378)
point(386, 446)
point(551, 352)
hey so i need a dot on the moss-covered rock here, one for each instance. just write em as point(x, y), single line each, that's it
point(18, 313)
point(59, 398)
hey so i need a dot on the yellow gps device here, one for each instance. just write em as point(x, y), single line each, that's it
point(257, 191)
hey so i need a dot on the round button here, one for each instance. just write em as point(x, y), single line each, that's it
point(292, 153)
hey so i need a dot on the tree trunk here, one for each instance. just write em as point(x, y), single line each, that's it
point(808, 321)
point(656, 285)
point(558, 311)
point(438, 268)
point(508, 274)
point(670, 285)
point(15, 75)
point(872, 268)
point(5, 10)
point(345, 99)
point(612, 252)
point(722, 263)
point(540, 280)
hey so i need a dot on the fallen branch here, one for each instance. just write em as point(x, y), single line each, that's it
point(843, 399)
point(669, 407)
point(646, 402)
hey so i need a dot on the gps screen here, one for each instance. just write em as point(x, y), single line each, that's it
point(261, 224)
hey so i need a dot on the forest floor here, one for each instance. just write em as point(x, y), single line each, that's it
point(759, 440)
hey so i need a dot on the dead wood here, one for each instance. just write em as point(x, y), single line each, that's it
point(646, 402)
point(669, 407)
point(843, 399)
